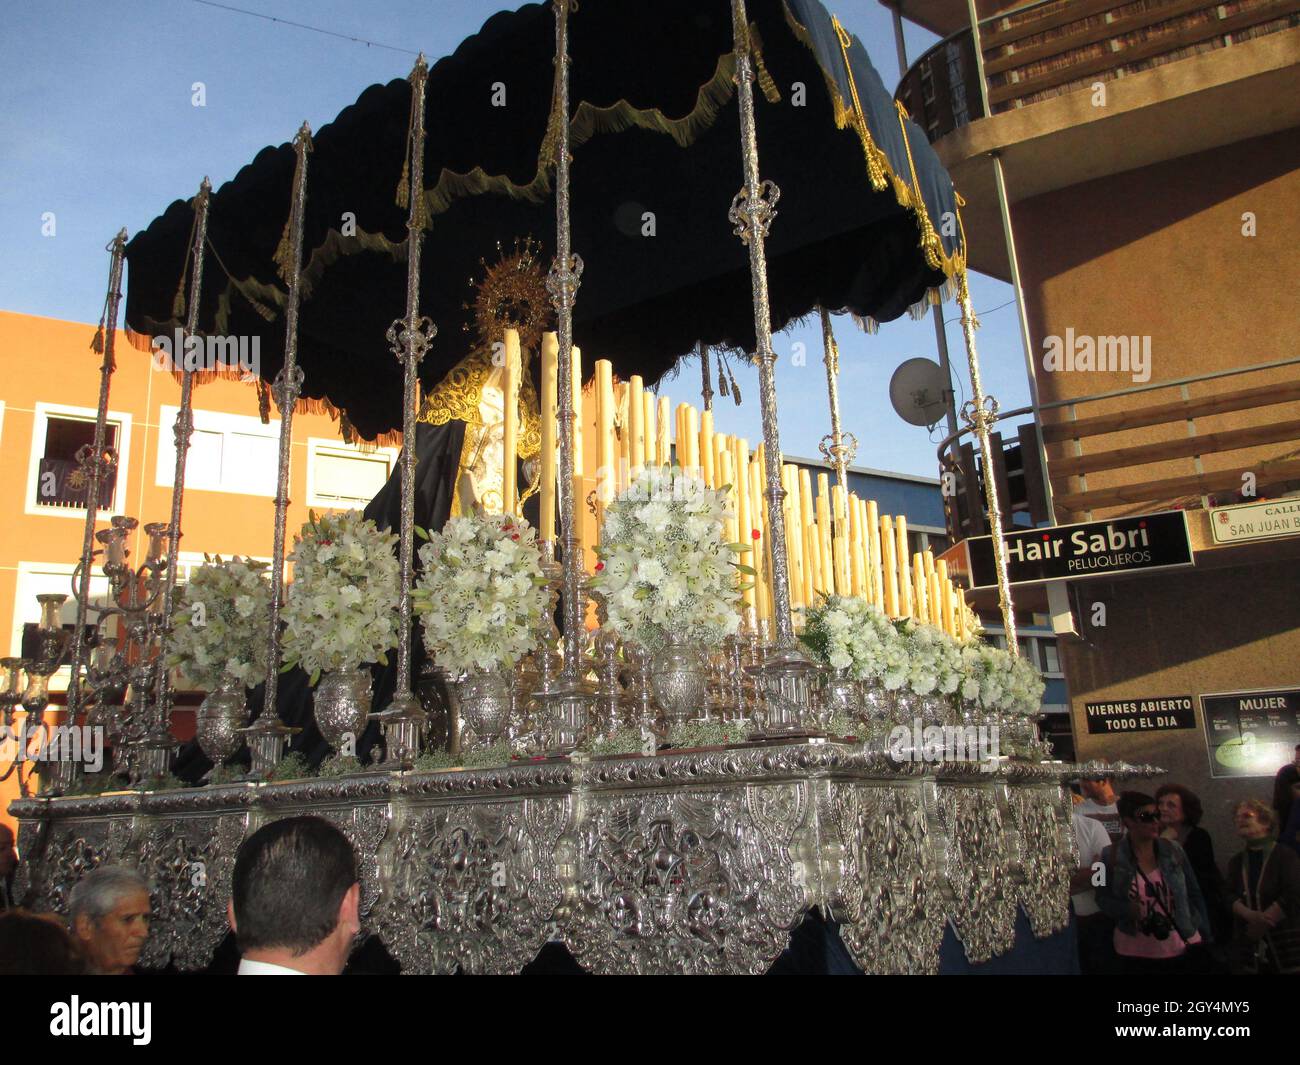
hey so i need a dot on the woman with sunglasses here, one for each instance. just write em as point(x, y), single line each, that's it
point(1151, 893)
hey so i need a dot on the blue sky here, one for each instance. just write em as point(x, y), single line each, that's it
point(98, 128)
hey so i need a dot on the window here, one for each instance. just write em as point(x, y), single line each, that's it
point(228, 453)
point(56, 483)
point(1051, 656)
point(344, 477)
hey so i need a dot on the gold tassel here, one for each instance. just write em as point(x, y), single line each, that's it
point(97, 342)
point(263, 402)
point(346, 429)
point(404, 183)
point(770, 92)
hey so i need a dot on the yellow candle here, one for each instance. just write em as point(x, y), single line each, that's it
point(744, 518)
point(651, 431)
point(577, 410)
point(548, 414)
point(635, 426)
point(793, 534)
point(762, 593)
point(663, 456)
point(692, 441)
point(887, 543)
point(920, 589)
point(579, 495)
point(825, 533)
point(711, 472)
point(607, 473)
point(624, 437)
point(731, 496)
point(903, 553)
point(877, 561)
point(855, 547)
point(510, 433)
point(945, 594)
point(811, 544)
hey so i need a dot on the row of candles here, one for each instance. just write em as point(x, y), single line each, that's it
point(837, 543)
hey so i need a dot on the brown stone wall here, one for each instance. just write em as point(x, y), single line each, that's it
point(1160, 252)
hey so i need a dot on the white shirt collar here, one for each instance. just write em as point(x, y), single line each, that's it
point(248, 967)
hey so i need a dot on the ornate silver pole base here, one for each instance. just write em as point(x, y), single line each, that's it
point(403, 724)
point(266, 741)
point(567, 709)
point(786, 682)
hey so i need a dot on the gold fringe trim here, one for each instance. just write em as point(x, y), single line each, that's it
point(880, 171)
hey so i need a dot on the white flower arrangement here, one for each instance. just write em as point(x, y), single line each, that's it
point(664, 566)
point(341, 610)
point(482, 594)
point(927, 660)
point(220, 629)
point(1000, 682)
point(851, 632)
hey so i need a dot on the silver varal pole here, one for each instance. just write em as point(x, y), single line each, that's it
point(839, 447)
point(266, 737)
point(787, 674)
point(157, 744)
point(571, 696)
point(409, 339)
point(96, 463)
point(980, 412)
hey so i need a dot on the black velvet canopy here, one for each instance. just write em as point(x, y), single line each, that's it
point(655, 130)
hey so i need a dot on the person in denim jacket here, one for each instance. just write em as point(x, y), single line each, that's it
point(1161, 921)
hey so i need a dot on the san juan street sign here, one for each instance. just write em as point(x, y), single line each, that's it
point(1135, 544)
point(1262, 520)
point(1251, 733)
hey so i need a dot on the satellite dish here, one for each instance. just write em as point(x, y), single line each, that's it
point(917, 391)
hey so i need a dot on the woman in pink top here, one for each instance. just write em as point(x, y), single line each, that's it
point(1152, 894)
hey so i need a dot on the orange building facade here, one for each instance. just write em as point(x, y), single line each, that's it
point(49, 389)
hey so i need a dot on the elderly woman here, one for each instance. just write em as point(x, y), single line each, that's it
point(1264, 884)
point(108, 914)
point(1151, 893)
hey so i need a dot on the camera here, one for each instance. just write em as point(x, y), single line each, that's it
point(1157, 925)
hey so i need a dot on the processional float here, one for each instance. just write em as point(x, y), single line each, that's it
point(759, 831)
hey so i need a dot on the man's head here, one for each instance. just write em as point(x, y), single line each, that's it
point(8, 856)
point(37, 944)
point(295, 895)
point(108, 913)
point(1100, 790)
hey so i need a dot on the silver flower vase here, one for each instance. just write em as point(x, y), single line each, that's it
point(840, 697)
point(342, 706)
point(876, 708)
point(680, 680)
point(485, 698)
point(221, 715)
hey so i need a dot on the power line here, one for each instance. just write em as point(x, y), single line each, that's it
point(980, 314)
point(304, 26)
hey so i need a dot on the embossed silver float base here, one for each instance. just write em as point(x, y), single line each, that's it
point(680, 863)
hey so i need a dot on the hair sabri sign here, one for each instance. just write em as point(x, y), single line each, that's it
point(1089, 549)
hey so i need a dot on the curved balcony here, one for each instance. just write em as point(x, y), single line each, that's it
point(1055, 47)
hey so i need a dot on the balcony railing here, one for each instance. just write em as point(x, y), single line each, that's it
point(1101, 444)
point(61, 483)
point(1053, 47)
